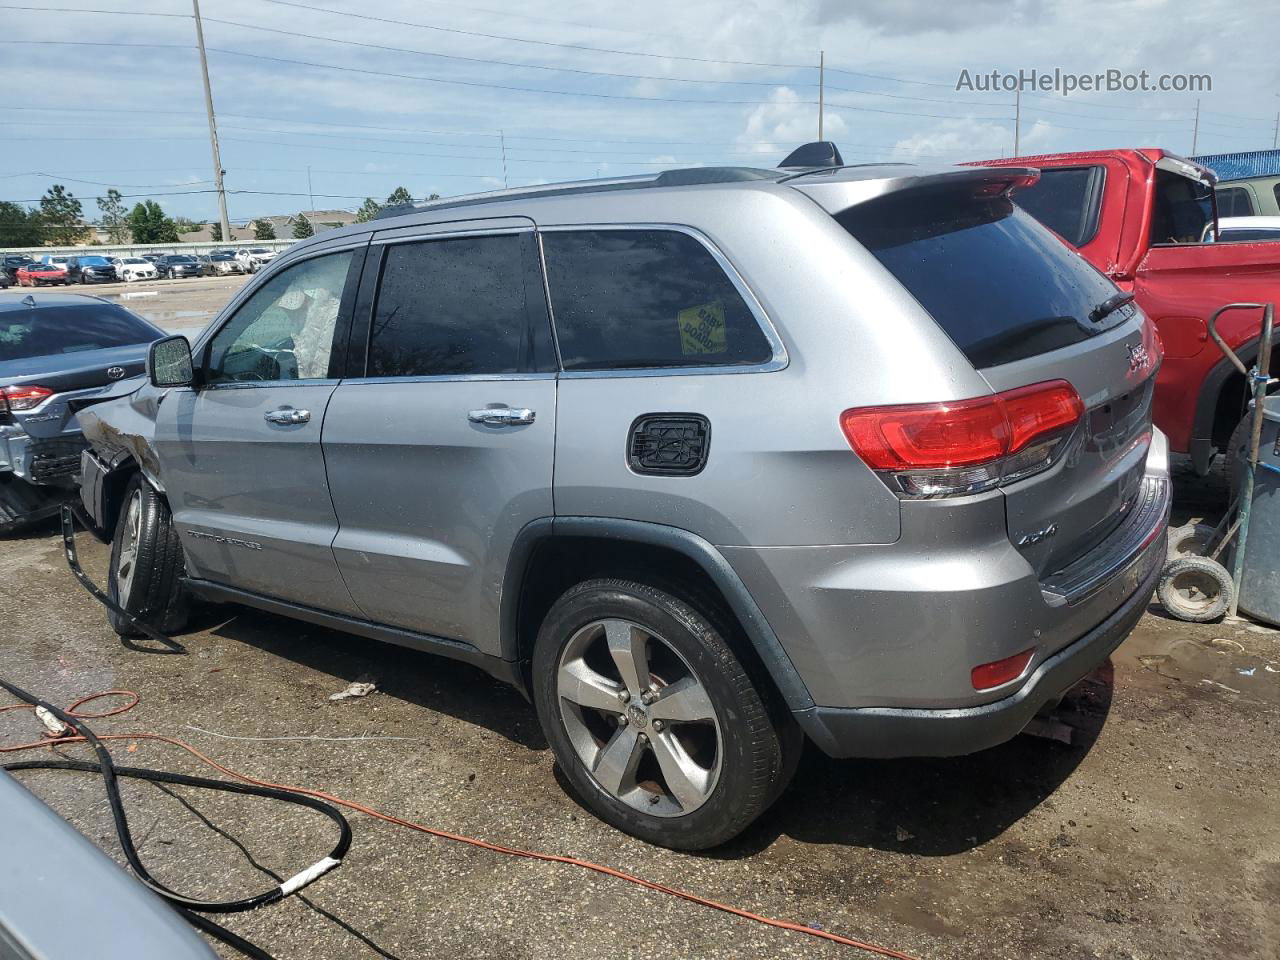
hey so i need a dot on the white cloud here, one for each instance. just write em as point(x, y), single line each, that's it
point(785, 122)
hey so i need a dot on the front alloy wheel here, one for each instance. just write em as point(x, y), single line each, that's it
point(639, 719)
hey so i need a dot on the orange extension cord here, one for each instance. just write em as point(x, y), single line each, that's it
point(52, 741)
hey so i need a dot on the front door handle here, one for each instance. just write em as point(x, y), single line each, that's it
point(502, 416)
point(287, 415)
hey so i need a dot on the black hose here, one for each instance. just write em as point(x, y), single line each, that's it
point(107, 768)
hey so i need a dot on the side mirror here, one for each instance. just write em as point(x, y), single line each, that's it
point(169, 363)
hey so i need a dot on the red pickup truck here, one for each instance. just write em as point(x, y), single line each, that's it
point(1138, 216)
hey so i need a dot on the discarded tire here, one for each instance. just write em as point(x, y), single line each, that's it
point(1195, 589)
point(1192, 539)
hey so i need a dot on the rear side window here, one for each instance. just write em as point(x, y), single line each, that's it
point(45, 331)
point(1234, 202)
point(646, 298)
point(472, 305)
point(1000, 285)
point(1067, 200)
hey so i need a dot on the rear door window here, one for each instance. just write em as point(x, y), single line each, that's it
point(628, 299)
point(1067, 200)
point(1000, 285)
point(463, 306)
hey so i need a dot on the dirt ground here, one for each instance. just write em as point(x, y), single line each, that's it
point(1154, 835)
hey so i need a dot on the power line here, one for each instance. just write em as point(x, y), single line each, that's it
point(495, 86)
point(499, 63)
point(542, 43)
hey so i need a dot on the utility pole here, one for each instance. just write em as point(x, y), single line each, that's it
point(1275, 134)
point(1017, 118)
point(213, 129)
point(310, 193)
point(503, 138)
point(1195, 131)
point(822, 70)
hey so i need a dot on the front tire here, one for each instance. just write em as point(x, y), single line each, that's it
point(653, 719)
point(146, 563)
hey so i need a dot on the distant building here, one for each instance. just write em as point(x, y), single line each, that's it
point(321, 220)
point(1238, 166)
point(205, 233)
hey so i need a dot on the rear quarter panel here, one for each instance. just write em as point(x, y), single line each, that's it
point(779, 471)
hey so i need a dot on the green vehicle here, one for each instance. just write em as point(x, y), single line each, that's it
point(1253, 197)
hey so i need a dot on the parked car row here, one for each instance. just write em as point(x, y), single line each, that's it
point(53, 269)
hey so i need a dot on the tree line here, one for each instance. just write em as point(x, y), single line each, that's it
point(58, 220)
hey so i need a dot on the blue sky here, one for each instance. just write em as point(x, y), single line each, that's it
point(416, 92)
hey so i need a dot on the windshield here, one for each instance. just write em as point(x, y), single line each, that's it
point(1001, 285)
point(45, 331)
point(134, 260)
point(95, 261)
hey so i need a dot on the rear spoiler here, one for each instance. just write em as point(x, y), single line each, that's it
point(836, 190)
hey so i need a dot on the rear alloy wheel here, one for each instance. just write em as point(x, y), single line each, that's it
point(146, 564)
point(1195, 589)
point(652, 718)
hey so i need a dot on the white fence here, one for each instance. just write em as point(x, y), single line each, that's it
point(137, 249)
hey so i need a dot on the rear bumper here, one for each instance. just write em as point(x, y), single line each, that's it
point(896, 732)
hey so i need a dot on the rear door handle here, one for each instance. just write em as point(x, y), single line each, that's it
point(502, 416)
point(287, 415)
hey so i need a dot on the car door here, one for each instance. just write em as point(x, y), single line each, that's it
point(240, 452)
point(443, 451)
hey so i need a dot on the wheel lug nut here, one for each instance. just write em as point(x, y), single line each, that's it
point(644, 738)
point(624, 696)
point(622, 719)
point(657, 726)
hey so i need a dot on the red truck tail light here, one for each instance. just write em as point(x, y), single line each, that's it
point(965, 446)
point(23, 398)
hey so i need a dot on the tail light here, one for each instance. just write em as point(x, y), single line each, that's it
point(930, 450)
point(19, 398)
point(986, 676)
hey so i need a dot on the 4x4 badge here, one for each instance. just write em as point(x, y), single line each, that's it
point(1138, 357)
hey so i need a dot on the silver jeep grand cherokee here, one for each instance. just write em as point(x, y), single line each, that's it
point(707, 463)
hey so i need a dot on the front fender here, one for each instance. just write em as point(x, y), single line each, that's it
point(124, 429)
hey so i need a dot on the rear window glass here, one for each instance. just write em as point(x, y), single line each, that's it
point(1067, 200)
point(1000, 285)
point(45, 331)
point(646, 298)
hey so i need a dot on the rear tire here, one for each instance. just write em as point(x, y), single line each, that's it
point(653, 719)
point(1195, 589)
point(146, 564)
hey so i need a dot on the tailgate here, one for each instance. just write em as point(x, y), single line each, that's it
point(1025, 309)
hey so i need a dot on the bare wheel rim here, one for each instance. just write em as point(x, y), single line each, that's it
point(639, 718)
point(127, 562)
point(1196, 590)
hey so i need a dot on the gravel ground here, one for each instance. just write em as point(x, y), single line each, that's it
point(1152, 836)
